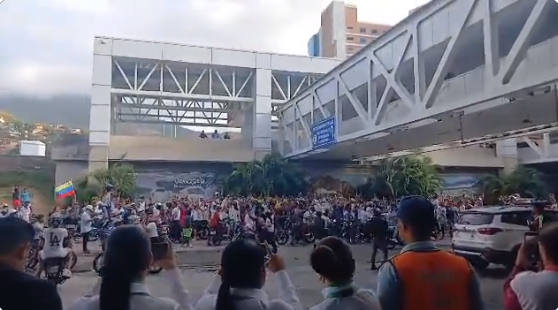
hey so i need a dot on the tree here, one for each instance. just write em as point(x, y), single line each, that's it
point(524, 181)
point(121, 176)
point(272, 176)
point(402, 176)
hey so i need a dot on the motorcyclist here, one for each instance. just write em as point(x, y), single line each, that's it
point(55, 244)
point(380, 228)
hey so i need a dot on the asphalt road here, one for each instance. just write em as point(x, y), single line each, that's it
point(198, 270)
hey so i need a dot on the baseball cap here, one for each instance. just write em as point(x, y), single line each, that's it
point(14, 232)
point(416, 211)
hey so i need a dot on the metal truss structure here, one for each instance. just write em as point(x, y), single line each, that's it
point(531, 136)
point(541, 147)
point(149, 91)
point(427, 67)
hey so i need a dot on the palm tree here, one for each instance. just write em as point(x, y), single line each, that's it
point(524, 181)
point(120, 176)
point(270, 177)
point(409, 175)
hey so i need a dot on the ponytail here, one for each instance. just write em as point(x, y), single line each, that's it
point(115, 288)
point(224, 298)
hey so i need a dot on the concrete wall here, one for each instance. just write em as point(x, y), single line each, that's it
point(69, 170)
point(472, 156)
point(137, 148)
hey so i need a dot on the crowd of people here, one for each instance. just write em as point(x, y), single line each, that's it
point(421, 274)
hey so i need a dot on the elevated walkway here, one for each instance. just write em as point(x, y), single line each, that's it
point(135, 148)
point(535, 150)
point(453, 70)
point(470, 157)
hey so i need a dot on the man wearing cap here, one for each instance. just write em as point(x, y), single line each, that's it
point(422, 276)
point(19, 290)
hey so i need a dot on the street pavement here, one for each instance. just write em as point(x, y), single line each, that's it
point(200, 262)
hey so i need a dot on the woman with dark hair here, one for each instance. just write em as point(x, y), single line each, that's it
point(333, 261)
point(238, 285)
point(122, 287)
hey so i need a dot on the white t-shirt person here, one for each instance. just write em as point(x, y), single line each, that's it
point(175, 213)
point(54, 243)
point(151, 229)
point(86, 221)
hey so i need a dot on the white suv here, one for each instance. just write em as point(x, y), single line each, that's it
point(493, 234)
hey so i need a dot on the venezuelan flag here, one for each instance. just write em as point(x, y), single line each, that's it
point(64, 190)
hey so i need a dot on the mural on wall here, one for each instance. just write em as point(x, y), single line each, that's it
point(460, 183)
point(160, 185)
point(336, 181)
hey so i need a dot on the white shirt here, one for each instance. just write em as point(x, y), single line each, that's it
point(248, 222)
point(363, 299)
point(269, 225)
point(54, 241)
point(257, 299)
point(25, 213)
point(141, 298)
point(175, 213)
point(234, 214)
point(196, 215)
point(85, 225)
point(141, 206)
point(151, 229)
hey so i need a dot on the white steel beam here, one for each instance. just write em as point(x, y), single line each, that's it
point(427, 100)
point(522, 135)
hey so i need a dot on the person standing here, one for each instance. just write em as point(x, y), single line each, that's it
point(422, 276)
point(380, 229)
point(16, 202)
point(86, 227)
point(16, 236)
point(175, 222)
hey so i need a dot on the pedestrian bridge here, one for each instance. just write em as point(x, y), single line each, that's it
point(454, 70)
point(156, 148)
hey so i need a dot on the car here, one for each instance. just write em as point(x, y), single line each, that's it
point(493, 235)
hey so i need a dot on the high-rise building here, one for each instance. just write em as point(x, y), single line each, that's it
point(341, 34)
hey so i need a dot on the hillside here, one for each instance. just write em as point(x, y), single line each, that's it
point(72, 111)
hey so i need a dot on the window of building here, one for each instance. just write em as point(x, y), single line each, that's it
point(349, 28)
point(374, 31)
point(362, 30)
point(350, 38)
point(362, 40)
point(350, 49)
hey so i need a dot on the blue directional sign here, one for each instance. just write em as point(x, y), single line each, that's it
point(323, 133)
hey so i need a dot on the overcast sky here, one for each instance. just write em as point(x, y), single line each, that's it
point(46, 45)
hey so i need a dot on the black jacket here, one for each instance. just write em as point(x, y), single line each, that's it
point(379, 227)
point(19, 290)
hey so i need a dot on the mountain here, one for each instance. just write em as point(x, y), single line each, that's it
point(72, 111)
point(69, 110)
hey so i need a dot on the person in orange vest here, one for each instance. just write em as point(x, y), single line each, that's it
point(422, 276)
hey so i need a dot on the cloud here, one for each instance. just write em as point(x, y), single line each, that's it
point(46, 45)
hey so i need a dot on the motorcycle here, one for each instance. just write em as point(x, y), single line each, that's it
point(98, 265)
point(203, 232)
point(54, 270)
point(93, 235)
point(282, 236)
point(223, 233)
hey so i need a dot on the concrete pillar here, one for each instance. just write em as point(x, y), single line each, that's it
point(507, 151)
point(247, 128)
point(261, 126)
point(100, 112)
